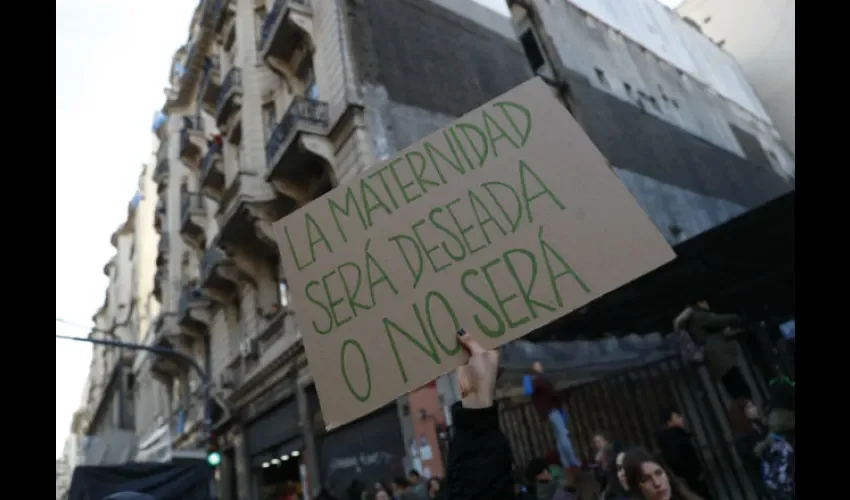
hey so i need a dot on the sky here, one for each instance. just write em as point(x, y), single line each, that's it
point(112, 64)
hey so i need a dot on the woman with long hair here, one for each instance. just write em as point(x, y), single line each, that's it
point(748, 431)
point(648, 479)
point(616, 487)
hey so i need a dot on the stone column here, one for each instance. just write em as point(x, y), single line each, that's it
point(244, 480)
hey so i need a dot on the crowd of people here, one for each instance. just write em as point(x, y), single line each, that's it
point(480, 462)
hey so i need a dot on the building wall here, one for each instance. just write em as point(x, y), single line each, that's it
point(664, 67)
point(765, 49)
point(109, 401)
point(380, 99)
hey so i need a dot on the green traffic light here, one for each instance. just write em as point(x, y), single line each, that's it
point(214, 458)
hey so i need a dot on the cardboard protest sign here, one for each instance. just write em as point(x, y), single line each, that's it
point(499, 223)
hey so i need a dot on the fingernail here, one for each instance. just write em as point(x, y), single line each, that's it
point(461, 332)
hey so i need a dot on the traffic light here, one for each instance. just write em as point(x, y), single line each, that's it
point(213, 455)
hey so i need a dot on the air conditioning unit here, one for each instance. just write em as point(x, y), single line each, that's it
point(248, 348)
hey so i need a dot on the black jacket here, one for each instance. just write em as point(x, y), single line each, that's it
point(679, 452)
point(479, 457)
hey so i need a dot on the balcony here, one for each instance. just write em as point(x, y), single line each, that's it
point(218, 275)
point(162, 250)
point(166, 333)
point(284, 29)
point(242, 220)
point(192, 219)
point(205, 17)
point(298, 153)
point(157, 283)
point(225, 12)
point(160, 172)
point(210, 84)
point(212, 172)
point(229, 105)
point(192, 311)
point(192, 143)
point(159, 215)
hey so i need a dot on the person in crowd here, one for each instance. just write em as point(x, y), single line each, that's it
point(713, 332)
point(616, 487)
point(479, 458)
point(435, 489)
point(547, 481)
point(417, 485)
point(549, 406)
point(602, 444)
point(748, 431)
point(648, 479)
point(581, 484)
point(382, 492)
point(777, 449)
point(678, 450)
point(403, 490)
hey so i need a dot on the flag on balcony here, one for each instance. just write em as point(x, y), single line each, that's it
point(137, 198)
point(158, 119)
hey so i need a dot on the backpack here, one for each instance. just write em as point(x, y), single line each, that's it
point(777, 467)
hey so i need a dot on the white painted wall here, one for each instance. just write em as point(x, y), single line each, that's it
point(760, 35)
point(662, 32)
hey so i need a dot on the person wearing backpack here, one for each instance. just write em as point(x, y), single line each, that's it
point(777, 450)
point(706, 336)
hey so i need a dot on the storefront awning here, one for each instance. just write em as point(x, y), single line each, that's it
point(745, 266)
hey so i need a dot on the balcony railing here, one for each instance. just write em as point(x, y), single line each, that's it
point(271, 35)
point(191, 204)
point(189, 295)
point(221, 10)
point(157, 283)
point(162, 249)
point(209, 88)
point(212, 257)
point(230, 89)
point(191, 139)
point(212, 177)
point(159, 214)
point(301, 111)
point(161, 170)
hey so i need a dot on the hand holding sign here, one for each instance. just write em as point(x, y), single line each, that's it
point(477, 378)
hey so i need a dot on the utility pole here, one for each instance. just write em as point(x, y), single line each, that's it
point(162, 351)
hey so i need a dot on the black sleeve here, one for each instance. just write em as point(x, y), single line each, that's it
point(479, 457)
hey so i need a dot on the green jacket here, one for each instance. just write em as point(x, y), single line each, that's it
point(707, 328)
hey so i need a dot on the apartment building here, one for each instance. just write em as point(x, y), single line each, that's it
point(108, 408)
point(761, 37)
point(271, 105)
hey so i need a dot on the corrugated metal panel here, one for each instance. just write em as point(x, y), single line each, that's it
point(662, 32)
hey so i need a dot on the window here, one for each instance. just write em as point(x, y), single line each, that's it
point(654, 102)
point(532, 50)
point(284, 294)
point(600, 75)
